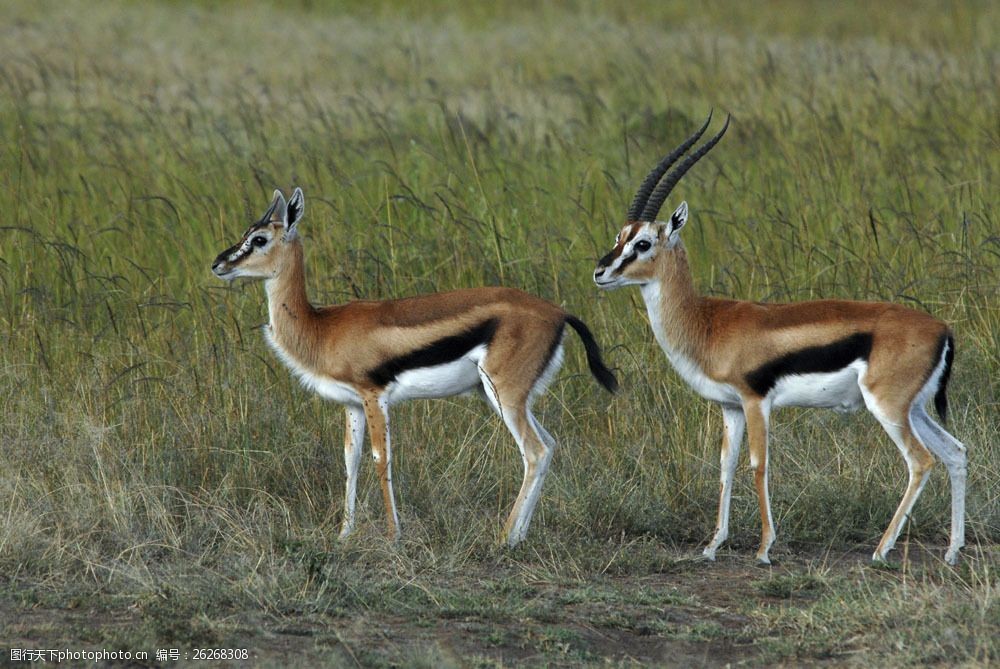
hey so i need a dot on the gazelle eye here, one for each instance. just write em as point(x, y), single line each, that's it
point(642, 246)
point(259, 241)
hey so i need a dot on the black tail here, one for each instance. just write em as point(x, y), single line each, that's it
point(941, 398)
point(597, 367)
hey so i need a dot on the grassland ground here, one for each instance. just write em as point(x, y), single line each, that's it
point(663, 608)
point(163, 481)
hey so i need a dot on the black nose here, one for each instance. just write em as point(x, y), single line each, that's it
point(599, 271)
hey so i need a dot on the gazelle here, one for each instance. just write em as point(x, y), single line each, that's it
point(751, 357)
point(369, 355)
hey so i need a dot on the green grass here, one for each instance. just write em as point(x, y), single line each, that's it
point(158, 463)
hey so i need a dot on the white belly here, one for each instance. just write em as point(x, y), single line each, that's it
point(831, 390)
point(453, 378)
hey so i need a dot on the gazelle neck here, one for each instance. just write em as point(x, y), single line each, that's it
point(674, 306)
point(288, 307)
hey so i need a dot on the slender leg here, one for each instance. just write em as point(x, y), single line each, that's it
point(952, 453)
point(510, 390)
point(537, 456)
point(489, 391)
point(539, 446)
point(732, 436)
point(354, 436)
point(918, 462)
point(377, 412)
point(757, 414)
point(536, 446)
point(547, 438)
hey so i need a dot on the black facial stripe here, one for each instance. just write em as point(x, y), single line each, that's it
point(442, 351)
point(628, 261)
point(812, 360)
point(607, 259)
point(224, 256)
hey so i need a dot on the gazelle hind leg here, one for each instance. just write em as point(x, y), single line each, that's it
point(734, 422)
point(918, 462)
point(953, 454)
point(546, 438)
point(537, 456)
point(534, 442)
point(354, 435)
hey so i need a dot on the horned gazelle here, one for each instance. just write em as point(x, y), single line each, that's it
point(751, 357)
point(369, 355)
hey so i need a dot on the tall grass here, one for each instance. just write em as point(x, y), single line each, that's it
point(147, 432)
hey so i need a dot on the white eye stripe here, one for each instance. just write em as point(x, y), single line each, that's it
point(238, 253)
point(246, 247)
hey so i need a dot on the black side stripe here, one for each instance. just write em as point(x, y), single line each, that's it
point(440, 352)
point(812, 360)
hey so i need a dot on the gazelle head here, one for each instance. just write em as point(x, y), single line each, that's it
point(639, 244)
point(263, 250)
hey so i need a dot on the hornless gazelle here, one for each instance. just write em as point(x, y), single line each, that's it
point(369, 355)
point(751, 357)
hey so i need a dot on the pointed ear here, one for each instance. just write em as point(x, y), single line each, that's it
point(277, 209)
point(674, 225)
point(294, 210)
point(679, 217)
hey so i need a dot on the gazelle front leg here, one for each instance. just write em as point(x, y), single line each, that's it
point(376, 410)
point(354, 436)
point(757, 416)
point(732, 436)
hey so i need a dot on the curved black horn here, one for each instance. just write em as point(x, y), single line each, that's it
point(641, 195)
point(652, 207)
point(270, 210)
